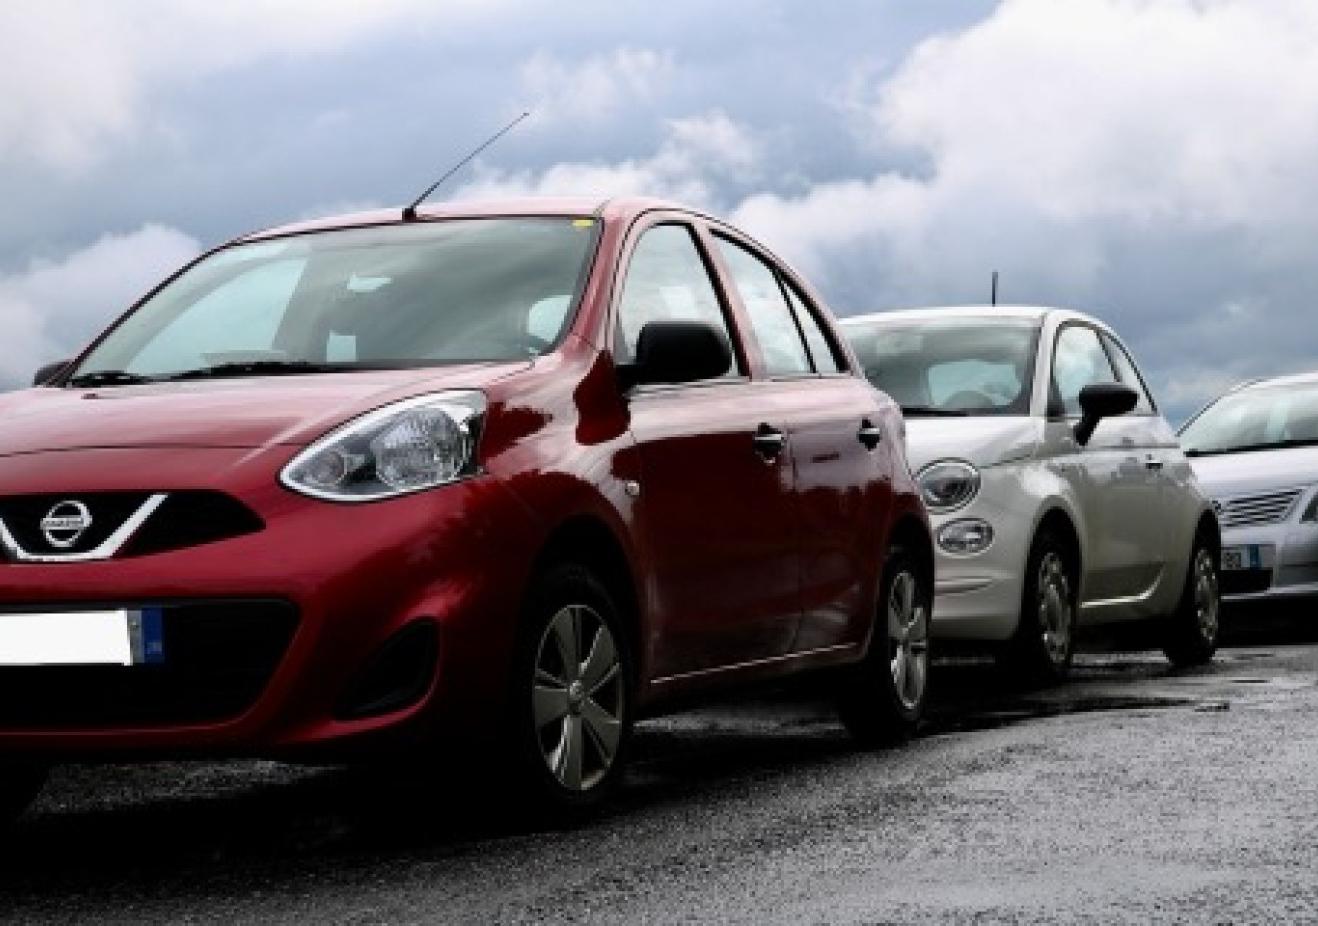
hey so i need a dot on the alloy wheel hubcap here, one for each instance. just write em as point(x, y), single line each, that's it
point(1055, 612)
point(908, 635)
point(577, 698)
point(1206, 601)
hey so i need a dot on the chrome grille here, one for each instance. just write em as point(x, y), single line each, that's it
point(1253, 510)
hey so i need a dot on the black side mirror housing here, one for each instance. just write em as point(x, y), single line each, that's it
point(672, 352)
point(49, 372)
point(1099, 401)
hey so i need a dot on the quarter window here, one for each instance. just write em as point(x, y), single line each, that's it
point(1129, 375)
point(1079, 360)
point(666, 281)
point(821, 351)
point(770, 316)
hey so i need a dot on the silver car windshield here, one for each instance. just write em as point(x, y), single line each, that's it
point(954, 367)
point(1264, 418)
point(400, 295)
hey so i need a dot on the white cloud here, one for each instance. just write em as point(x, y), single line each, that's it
point(1073, 145)
point(53, 308)
point(78, 76)
point(696, 152)
point(596, 87)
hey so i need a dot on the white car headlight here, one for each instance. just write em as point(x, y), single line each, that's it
point(406, 447)
point(948, 485)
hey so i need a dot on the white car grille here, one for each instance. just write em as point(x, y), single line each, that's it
point(1253, 510)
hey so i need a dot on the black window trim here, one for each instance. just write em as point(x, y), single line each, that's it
point(648, 223)
point(771, 265)
point(1110, 340)
point(1050, 410)
point(790, 289)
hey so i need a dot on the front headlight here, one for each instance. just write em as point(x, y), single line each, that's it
point(948, 485)
point(405, 447)
point(1311, 513)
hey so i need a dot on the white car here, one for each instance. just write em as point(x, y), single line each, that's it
point(1256, 452)
point(1058, 494)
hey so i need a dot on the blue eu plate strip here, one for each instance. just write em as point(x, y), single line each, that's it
point(153, 636)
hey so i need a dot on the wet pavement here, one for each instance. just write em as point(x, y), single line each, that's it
point(1133, 793)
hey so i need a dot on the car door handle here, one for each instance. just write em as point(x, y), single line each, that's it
point(870, 434)
point(769, 441)
point(1153, 463)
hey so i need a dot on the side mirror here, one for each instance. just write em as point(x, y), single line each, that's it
point(49, 372)
point(1099, 401)
point(677, 352)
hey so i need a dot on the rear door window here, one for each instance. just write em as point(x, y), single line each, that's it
point(770, 315)
point(821, 350)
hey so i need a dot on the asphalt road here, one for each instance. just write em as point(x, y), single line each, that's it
point(1132, 794)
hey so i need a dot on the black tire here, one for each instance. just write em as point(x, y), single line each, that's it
point(882, 698)
point(542, 676)
point(1191, 631)
point(20, 784)
point(1041, 651)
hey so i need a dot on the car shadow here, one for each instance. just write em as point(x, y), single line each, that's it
point(185, 830)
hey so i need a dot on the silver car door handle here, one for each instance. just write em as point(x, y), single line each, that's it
point(870, 434)
point(769, 441)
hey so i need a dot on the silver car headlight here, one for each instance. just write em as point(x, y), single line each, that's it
point(402, 448)
point(948, 485)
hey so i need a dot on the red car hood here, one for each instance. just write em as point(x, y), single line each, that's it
point(243, 413)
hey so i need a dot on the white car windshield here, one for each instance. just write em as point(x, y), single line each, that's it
point(420, 294)
point(953, 367)
point(1265, 418)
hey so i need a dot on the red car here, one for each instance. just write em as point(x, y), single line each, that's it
point(522, 472)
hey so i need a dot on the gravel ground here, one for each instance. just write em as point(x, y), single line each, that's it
point(1132, 794)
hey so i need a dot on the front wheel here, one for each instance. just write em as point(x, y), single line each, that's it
point(572, 691)
point(1191, 632)
point(882, 698)
point(20, 784)
point(1044, 644)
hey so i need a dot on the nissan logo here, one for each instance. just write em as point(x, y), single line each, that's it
point(65, 524)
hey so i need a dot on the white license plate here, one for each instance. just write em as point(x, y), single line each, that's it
point(1252, 556)
point(81, 638)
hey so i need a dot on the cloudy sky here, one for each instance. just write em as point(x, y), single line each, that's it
point(1154, 162)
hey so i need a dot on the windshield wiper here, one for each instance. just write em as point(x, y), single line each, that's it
point(1247, 448)
point(255, 368)
point(109, 378)
point(930, 411)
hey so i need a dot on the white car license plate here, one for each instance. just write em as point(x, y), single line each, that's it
point(81, 638)
point(1251, 556)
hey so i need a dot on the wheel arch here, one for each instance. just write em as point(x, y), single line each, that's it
point(912, 535)
point(587, 541)
point(1057, 519)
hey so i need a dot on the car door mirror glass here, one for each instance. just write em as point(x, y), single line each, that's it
point(1099, 401)
point(675, 352)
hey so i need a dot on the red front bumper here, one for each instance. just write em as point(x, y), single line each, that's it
point(356, 575)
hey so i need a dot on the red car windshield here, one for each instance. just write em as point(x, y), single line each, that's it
point(412, 295)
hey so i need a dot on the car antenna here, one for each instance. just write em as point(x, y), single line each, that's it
point(409, 213)
point(994, 289)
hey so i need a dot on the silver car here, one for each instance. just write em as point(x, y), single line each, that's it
point(1255, 450)
point(1058, 493)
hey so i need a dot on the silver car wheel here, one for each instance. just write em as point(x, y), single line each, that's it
point(1056, 614)
point(578, 698)
point(908, 635)
point(1206, 600)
